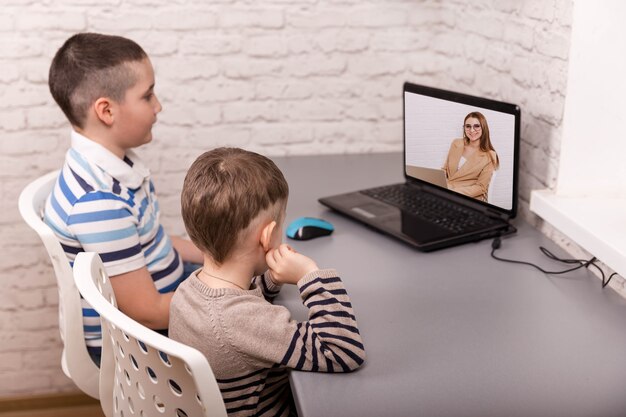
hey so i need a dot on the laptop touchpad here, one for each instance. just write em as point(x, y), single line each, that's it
point(372, 210)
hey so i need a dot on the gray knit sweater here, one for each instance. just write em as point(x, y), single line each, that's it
point(250, 343)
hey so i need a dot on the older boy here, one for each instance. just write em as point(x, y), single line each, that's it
point(233, 206)
point(104, 200)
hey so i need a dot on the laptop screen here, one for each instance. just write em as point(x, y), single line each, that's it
point(464, 144)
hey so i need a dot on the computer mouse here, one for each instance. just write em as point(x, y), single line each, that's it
point(305, 228)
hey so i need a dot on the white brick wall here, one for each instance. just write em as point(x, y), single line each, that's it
point(280, 77)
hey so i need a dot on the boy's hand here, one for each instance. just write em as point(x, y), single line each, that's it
point(288, 266)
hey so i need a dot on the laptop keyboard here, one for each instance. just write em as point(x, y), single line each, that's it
point(431, 208)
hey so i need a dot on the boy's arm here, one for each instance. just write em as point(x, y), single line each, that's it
point(152, 309)
point(328, 342)
point(111, 232)
point(269, 288)
point(187, 250)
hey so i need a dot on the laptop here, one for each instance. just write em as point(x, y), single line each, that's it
point(436, 208)
point(434, 176)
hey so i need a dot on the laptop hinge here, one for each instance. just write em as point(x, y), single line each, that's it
point(496, 215)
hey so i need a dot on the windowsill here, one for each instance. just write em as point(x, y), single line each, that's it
point(596, 224)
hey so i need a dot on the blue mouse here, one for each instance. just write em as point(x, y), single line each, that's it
point(305, 228)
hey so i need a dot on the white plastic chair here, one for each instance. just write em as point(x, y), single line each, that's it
point(75, 360)
point(143, 373)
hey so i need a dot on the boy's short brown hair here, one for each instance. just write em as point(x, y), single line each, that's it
point(89, 66)
point(224, 190)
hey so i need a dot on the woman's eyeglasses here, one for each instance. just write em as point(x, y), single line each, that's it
point(469, 127)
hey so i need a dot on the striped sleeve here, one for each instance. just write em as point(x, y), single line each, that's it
point(269, 288)
point(102, 222)
point(329, 341)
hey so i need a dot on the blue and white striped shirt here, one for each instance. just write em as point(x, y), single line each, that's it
point(107, 205)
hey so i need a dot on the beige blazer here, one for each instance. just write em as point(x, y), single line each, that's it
point(474, 176)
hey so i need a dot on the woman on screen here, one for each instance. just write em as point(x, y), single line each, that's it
point(472, 159)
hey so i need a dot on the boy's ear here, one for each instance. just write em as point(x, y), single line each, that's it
point(266, 235)
point(104, 110)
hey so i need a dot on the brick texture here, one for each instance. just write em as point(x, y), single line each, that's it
point(280, 77)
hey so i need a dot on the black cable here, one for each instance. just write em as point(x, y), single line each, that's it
point(582, 263)
point(495, 245)
point(604, 284)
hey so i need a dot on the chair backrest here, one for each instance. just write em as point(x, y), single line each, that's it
point(75, 361)
point(142, 372)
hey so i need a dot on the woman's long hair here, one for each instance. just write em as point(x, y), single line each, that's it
point(485, 141)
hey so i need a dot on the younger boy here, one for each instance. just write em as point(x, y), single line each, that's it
point(104, 200)
point(233, 206)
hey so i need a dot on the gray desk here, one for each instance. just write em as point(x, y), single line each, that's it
point(454, 332)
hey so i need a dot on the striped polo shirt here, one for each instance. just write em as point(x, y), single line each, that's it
point(104, 204)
